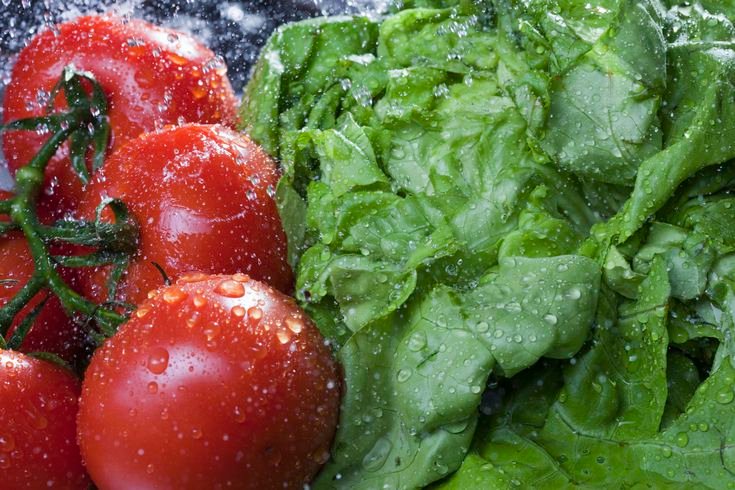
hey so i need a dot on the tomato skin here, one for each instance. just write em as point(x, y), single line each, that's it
point(215, 382)
point(151, 76)
point(200, 195)
point(38, 407)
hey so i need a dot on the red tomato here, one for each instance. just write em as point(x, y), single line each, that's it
point(38, 409)
point(152, 76)
point(202, 198)
point(215, 382)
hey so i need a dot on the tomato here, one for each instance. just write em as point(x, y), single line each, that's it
point(215, 382)
point(38, 409)
point(202, 198)
point(151, 76)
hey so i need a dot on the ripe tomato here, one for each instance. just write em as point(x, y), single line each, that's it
point(38, 409)
point(215, 382)
point(152, 76)
point(202, 198)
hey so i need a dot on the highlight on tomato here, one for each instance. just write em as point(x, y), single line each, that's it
point(38, 409)
point(218, 381)
point(202, 196)
point(150, 76)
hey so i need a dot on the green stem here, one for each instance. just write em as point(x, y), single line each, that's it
point(116, 237)
point(72, 301)
point(90, 260)
point(114, 242)
point(29, 180)
point(41, 159)
point(17, 302)
point(5, 205)
point(7, 228)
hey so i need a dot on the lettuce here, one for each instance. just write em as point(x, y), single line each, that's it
point(512, 221)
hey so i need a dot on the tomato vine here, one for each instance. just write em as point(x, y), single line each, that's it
point(85, 125)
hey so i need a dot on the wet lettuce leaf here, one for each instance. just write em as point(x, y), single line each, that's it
point(513, 222)
point(614, 422)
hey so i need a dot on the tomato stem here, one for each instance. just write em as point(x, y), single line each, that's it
point(111, 237)
point(114, 241)
point(17, 302)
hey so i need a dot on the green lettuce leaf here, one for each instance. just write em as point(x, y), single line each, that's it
point(513, 222)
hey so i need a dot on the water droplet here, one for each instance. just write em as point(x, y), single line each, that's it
point(255, 314)
point(682, 439)
point(199, 301)
point(294, 325)
point(192, 320)
point(211, 331)
point(513, 307)
point(174, 295)
point(375, 459)
point(157, 360)
point(283, 336)
point(241, 277)
point(725, 395)
point(177, 59)
point(550, 319)
point(192, 277)
point(230, 288)
point(238, 311)
point(417, 341)
point(141, 312)
point(39, 421)
point(403, 375)
point(152, 387)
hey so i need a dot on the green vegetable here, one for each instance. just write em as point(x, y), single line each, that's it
point(514, 222)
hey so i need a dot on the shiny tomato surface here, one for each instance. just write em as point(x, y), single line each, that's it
point(202, 197)
point(151, 76)
point(215, 382)
point(38, 409)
